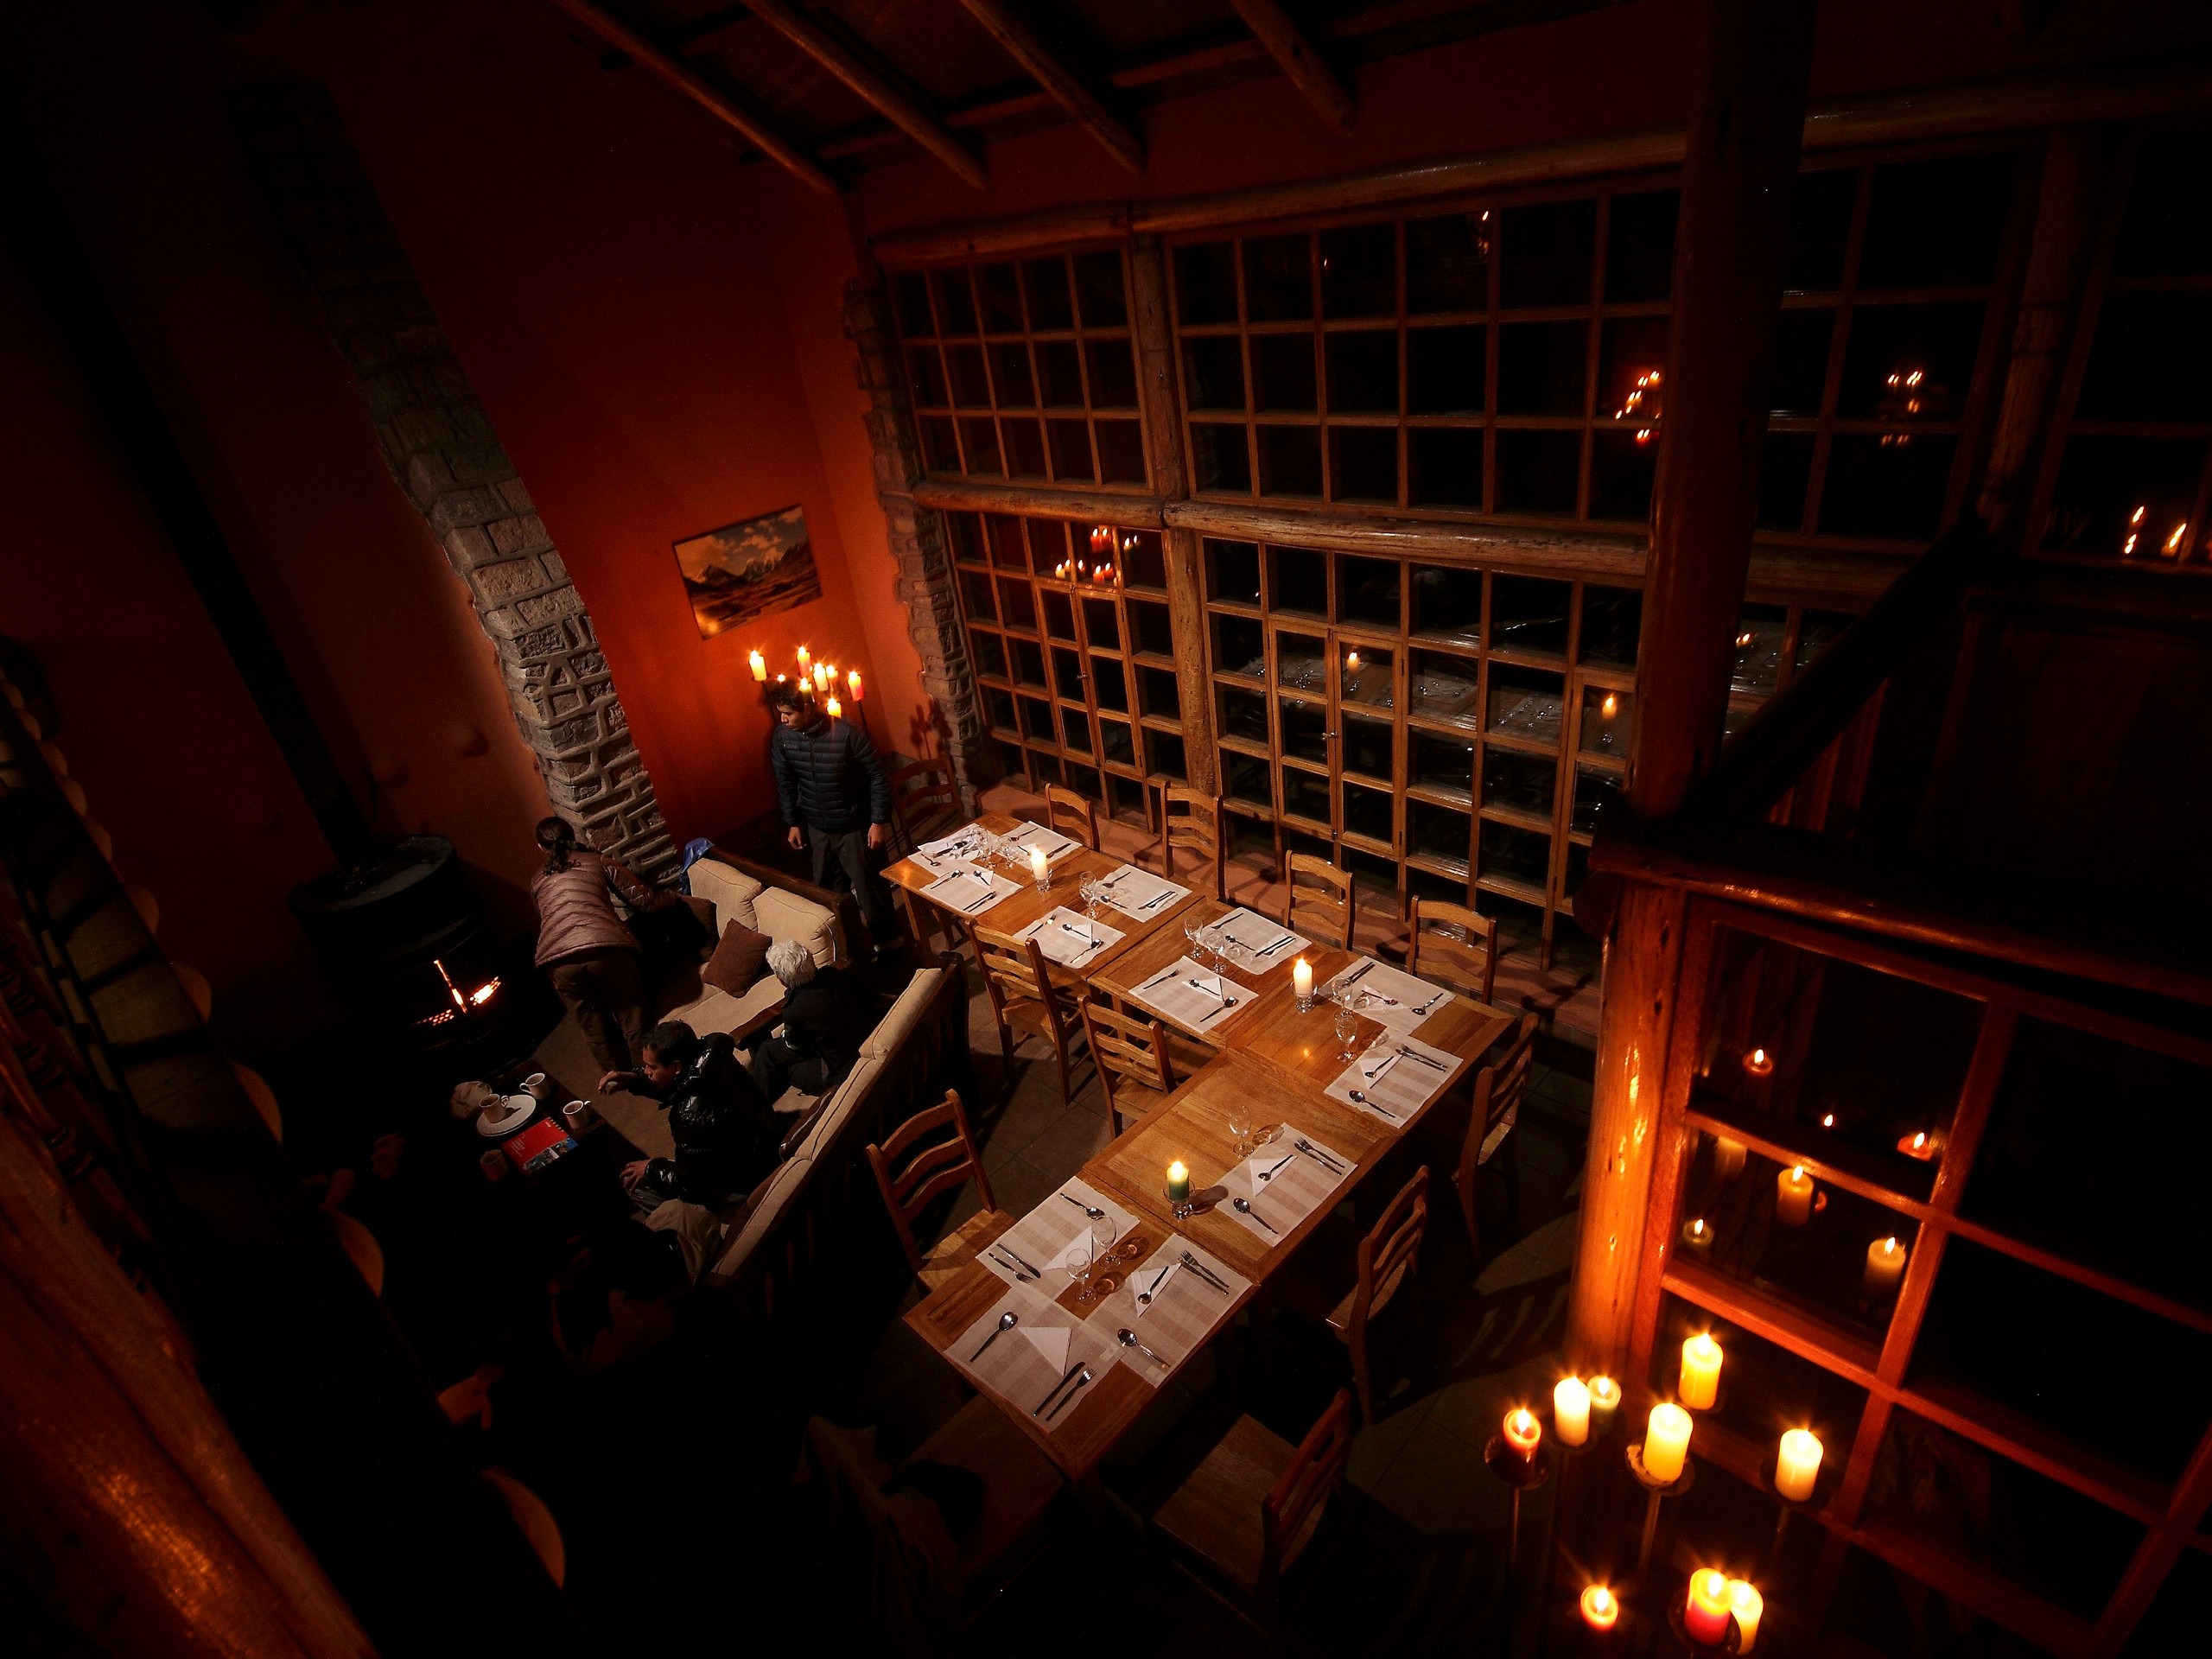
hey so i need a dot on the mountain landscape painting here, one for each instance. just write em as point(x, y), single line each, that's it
point(748, 570)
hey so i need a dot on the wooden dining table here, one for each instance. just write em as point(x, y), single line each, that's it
point(1272, 1067)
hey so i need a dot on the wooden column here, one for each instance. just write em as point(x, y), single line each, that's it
point(1163, 437)
point(1742, 159)
point(2076, 190)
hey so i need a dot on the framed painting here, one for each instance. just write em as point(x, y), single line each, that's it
point(747, 570)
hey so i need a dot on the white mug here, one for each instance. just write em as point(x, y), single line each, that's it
point(576, 1116)
point(536, 1087)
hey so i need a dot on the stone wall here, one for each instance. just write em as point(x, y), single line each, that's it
point(439, 442)
point(918, 542)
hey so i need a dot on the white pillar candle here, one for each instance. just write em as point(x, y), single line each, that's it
point(1605, 1400)
point(1522, 1431)
point(1885, 1259)
point(1798, 1466)
point(1601, 1608)
point(1040, 865)
point(1792, 1197)
point(1301, 981)
point(1746, 1602)
point(1570, 1411)
point(1667, 1443)
point(1700, 1372)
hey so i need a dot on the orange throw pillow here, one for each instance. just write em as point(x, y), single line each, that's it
point(739, 959)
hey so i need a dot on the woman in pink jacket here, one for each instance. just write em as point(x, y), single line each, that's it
point(591, 957)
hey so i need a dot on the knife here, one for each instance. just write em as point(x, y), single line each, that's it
point(1009, 1249)
point(1156, 902)
point(1015, 1271)
point(1072, 1371)
point(1285, 939)
point(1069, 1394)
point(1156, 979)
point(1435, 1065)
point(1353, 977)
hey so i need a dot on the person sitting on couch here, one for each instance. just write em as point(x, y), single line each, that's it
point(826, 1019)
point(725, 1132)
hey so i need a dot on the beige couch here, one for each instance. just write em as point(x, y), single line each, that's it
point(766, 907)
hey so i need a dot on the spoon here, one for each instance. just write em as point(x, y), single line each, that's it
point(1127, 1338)
point(1145, 1296)
point(1007, 1320)
point(1243, 1207)
point(1096, 1215)
point(1372, 1106)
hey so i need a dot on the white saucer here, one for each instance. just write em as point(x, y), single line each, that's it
point(494, 1126)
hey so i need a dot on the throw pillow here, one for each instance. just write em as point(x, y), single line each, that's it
point(739, 960)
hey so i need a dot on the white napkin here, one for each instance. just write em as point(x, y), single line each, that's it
point(1051, 1341)
point(1151, 1282)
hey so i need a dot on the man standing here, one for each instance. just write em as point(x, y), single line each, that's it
point(835, 798)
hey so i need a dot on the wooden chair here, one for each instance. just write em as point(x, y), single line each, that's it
point(1496, 1110)
point(1071, 815)
point(1321, 903)
point(1019, 983)
point(1129, 1048)
point(534, 1521)
point(1249, 1511)
point(1454, 946)
point(1190, 819)
point(1382, 1260)
point(924, 801)
point(912, 1176)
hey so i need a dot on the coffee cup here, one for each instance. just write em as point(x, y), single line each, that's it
point(576, 1117)
point(494, 1164)
point(537, 1086)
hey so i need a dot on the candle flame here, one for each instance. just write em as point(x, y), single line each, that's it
point(1605, 1390)
point(1611, 706)
point(1889, 1246)
point(1697, 1230)
point(1827, 1121)
point(1797, 1174)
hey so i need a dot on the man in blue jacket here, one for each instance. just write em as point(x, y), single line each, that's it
point(835, 798)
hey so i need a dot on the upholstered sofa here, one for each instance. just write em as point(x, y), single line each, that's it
point(767, 902)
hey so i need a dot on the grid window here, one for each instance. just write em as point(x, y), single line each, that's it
point(1024, 369)
point(1074, 673)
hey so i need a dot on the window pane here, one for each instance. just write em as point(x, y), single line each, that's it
point(1448, 262)
point(1441, 763)
point(980, 438)
point(1290, 461)
point(1448, 602)
point(970, 387)
point(1025, 448)
point(1785, 474)
point(1608, 717)
point(1444, 468)
point(1758, 647)
point(1244, 778)
point(1369, 748)
point(1279, 277)
point(1548, 250)
point(1149, 624)
point(1121, 452)
point(1891, 343)
point(1536, 471)
point(1623, 469)
point(2151, 355)
point(1525, 782)
point(1220, 459)
point(1303, 724)
point(1059, 369)
point(1242, 714)
point(2120, 496)
point(1363, 464)
point(1233, 571)
point(1301, 663)
point(1443, 370)
point(1363, 372)
point(1443, 686)
point(1440, 833)
point(1070, 446)
point(1801, 340)
point(1299, 578)
point(1368, 812)
point(1819, 230)
point(1236, 646)
point(1113, 741)
point(1639, 245)
point(1539, 367)
point(956, 303)
point(925, 375)
point(1359, 271)
point(1594, 794)
point(1205, 282)
point(1528, 615)
point(1525, 702)
point(1507, 852)
point(1875, 487)
point(910, 292)
point(1098, 289)
point(1282, 372)
point(1214, 372)
point(1367, 591)
point(1612, 619)
point(1113, 374)
point(1933, 223)
point(1046, 282)
point(1305, 795)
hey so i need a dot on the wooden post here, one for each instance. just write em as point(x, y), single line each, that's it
point(1742, 159)
point(1163, 433)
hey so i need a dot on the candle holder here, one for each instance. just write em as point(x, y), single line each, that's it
point(1521, 1474)
point(1790, 1507)
point(1678, 1622)
point(1656, 1492)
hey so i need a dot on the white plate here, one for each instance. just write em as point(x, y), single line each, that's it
point(494, 1126)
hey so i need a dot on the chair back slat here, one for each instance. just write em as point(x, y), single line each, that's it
point(1015, 967)
point(1191, 821)
point(1125, 1047)
point(1391, 1249)
point(1321, 903)
point(1454, 946)
point(1289, 1514)
point(1498, 1088)
point(923, 797)
point(1071, 815)
point(910, 1183)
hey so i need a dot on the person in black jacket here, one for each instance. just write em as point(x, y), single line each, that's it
point(835, 798)
point(725, 1132)
point(827, 1017)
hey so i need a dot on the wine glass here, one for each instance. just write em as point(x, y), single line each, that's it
point(1194, 933)
point(1089, 892)
point(1239, 1122)
point(1097, 1250)
point(1347, 1030)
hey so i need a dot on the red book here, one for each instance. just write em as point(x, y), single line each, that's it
point(539, 1145)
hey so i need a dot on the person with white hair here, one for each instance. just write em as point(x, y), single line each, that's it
point(827, 1016)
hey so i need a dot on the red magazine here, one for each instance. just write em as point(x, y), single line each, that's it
point(539, 1145)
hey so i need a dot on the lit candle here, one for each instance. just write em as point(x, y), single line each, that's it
point(1178, 1183)
point(1798, 1466)
point(1522, 1431)
point(1759, 1063)
point(1352, 661)
point(1728, 1158)
point(1792, 1197)
point(1571, 1410)
point(1667, 1443)
point(1700, 1372)
point(852, 685)
point(821, 676)
point(1885, 1260)
point(1921, 1145)
point(1604, 1401)
point(1302, 982)
point(759, 664)
point(1040, 867)
point(804, 657)
point(1611, 706)
point(833, 708)
point(1697, 1237)
point(1705, 1618)
point(1601, 1608)
point(1746, 1602)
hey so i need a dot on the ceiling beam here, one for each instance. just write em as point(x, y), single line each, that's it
point(712, 100)
point(893, 102)
point(1072, 94)
point(1287, 45)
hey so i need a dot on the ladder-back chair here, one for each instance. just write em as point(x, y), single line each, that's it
point(1190, 821)
point(1498, 1088)
point(912, 1172)
point(1071, 815)
point(1023, 997)
point(1454, 946)
point(1136, 1049)
point(1383, 1262)
point(1320, 902)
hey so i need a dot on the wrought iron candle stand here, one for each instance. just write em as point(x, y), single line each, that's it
point(1521, 1474)
point(1655, 1492)
point(1569, 1458)
point(1678, 1622)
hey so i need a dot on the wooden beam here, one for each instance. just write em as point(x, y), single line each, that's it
point(1308, 71)
point(1960, 110)
point(1067, 89)
point(716, 103)
point(894, 102)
